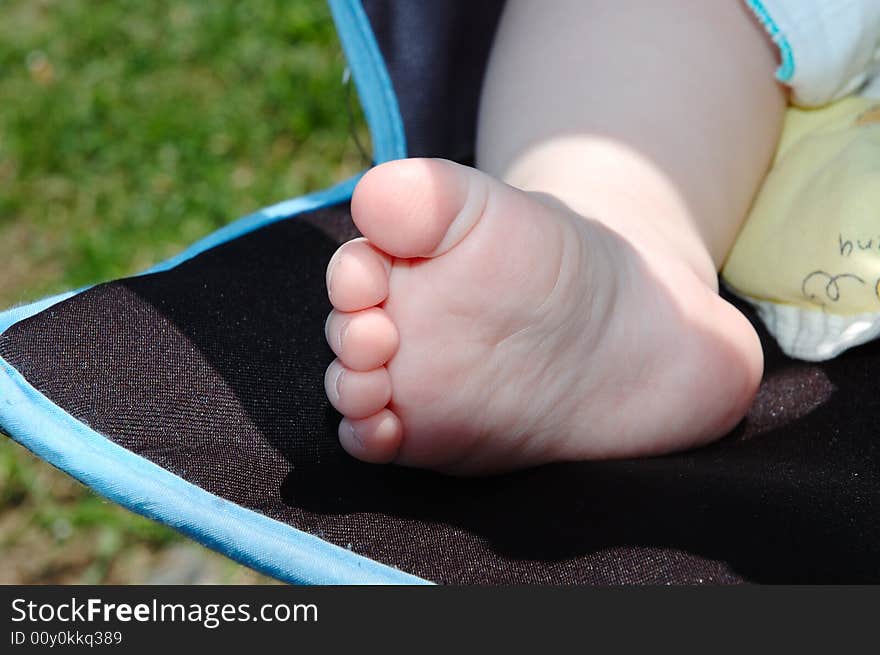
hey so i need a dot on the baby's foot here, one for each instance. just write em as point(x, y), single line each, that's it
point(480, 328)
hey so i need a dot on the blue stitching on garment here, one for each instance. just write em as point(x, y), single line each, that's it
point(786, 70)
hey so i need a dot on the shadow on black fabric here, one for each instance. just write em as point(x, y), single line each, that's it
point(214, 370)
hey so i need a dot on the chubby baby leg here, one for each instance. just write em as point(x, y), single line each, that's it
point(569, 311)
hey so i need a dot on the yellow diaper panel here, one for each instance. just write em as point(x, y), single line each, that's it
point(812, 239)
point(841, 115)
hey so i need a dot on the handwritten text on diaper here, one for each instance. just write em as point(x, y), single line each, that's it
point(849, 246)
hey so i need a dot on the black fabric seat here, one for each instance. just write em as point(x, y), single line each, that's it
point(213, 370)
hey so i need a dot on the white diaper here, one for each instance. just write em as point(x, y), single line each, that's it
point(829, 48)
point(816, 296)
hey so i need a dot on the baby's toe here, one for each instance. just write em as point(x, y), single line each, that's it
point(357, 394)
point(357, 276)
point(421, 207)
point(362, 340)
point(374, 439)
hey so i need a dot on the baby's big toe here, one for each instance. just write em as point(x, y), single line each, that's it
point(420, 207)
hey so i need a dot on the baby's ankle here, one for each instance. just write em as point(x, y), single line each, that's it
point(609, 183)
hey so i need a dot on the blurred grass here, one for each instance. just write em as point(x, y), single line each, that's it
point(129, 129)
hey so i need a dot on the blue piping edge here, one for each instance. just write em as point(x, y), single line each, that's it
point(132, 481)
point(786, 69)
point(259, 219)
point(371, 78)
point(136, 483)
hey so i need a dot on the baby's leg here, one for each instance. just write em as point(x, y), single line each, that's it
point(671, 104)
point(482, 327)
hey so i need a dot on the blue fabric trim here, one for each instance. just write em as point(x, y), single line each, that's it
point(786, 69)
point(259, 219)
point(266, 216)
point(134, 482)
point(16, 314)
point(371, 78)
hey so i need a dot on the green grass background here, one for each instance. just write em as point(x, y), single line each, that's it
point(129, 129)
